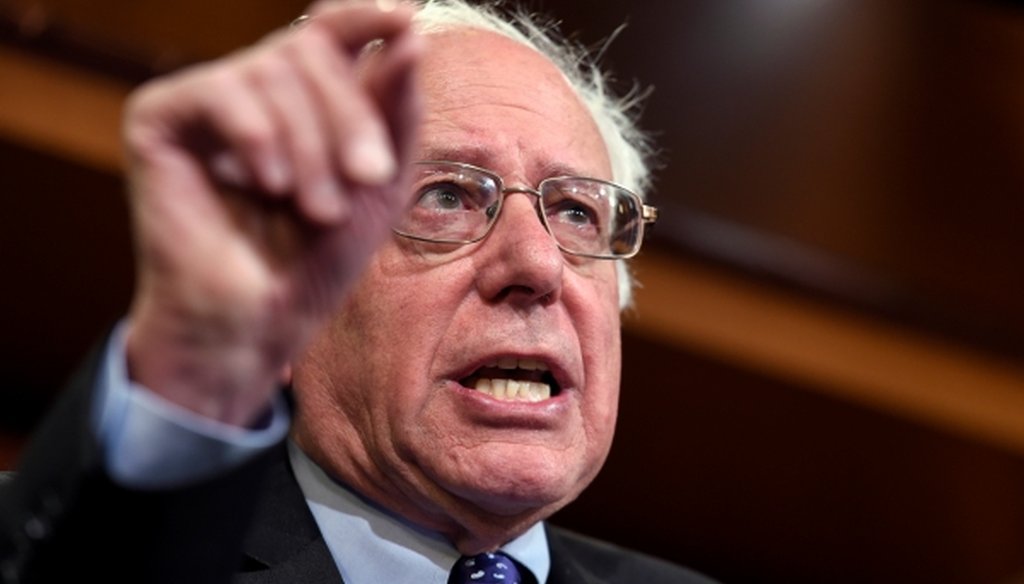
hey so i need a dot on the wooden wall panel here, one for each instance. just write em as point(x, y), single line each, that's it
point(759, 480)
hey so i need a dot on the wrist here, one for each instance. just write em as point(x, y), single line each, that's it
point(205, 367)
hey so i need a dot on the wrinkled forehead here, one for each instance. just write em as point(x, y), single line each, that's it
point(489, 84)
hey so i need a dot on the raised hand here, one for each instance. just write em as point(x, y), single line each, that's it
point(261, 184)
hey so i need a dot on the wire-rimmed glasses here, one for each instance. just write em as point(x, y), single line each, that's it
point(457, 203)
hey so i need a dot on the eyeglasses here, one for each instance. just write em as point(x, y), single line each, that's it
point(458, 203)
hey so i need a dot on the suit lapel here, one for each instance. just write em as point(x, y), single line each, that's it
point(285, 545)
point(566, 568)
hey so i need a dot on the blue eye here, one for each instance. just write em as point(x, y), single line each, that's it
point(443, 197)
point(573, 213)
point(578, 215)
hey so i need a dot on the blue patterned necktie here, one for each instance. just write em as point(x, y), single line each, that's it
point(488, 568)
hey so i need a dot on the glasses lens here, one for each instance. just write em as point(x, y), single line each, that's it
point(592, 217)
point(451, 204)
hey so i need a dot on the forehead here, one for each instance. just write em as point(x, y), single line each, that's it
point(495, 102)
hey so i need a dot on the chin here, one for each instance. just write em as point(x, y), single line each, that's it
point(526, 489)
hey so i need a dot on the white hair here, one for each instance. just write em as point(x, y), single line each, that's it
point(629, 149)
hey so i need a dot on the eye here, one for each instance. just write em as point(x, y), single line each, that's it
point(579, 215)
point(571, 212)
point(443, 197)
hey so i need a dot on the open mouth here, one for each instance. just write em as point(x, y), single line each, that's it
point(514, 379)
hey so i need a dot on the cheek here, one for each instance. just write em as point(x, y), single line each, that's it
point(361, 379)
point(599, 327)
point(596, 308)
point(607, 367)
point(392, 324)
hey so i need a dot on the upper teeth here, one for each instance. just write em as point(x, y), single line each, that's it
point(514, 390)
point(514, 363)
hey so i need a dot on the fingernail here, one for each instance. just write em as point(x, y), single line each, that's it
point(372, 161)
point(228, 169)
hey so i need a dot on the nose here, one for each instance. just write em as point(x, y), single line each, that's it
point(519, 260)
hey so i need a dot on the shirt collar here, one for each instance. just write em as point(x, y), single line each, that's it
point(370, 545)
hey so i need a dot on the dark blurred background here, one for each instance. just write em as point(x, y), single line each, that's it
point(824, 376)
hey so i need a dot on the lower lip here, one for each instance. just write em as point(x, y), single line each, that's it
point(491, 409)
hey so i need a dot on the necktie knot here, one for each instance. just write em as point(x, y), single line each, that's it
point(486, 568)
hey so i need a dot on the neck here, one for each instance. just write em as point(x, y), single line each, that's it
point(469, 527)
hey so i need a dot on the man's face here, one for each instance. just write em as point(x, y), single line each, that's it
point(387, 394)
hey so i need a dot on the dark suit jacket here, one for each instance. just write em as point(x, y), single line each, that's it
point(63, 518)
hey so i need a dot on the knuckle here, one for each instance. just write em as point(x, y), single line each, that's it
point(253, 133)
point(271, 71)
point(309, 152)
point(214, 83)
point(314, 36)
point(218, 89)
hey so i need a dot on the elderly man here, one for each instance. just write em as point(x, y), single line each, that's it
point(406, 215)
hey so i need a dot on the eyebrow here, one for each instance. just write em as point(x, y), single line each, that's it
point(558, 169)
point(476, 156)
